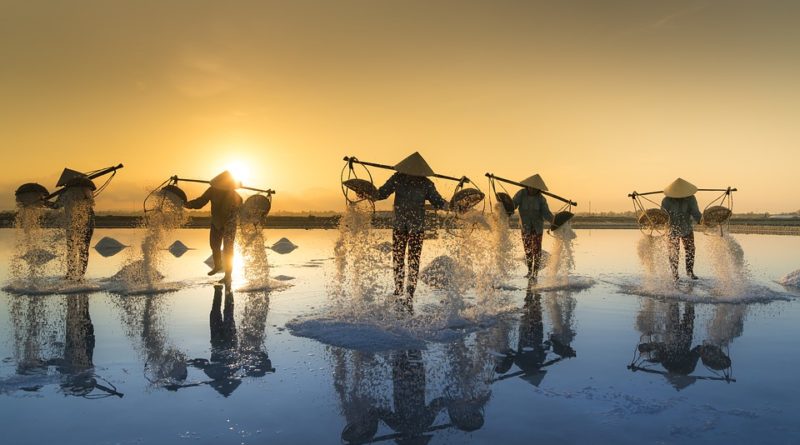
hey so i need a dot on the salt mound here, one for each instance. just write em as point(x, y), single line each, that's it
point(108, 246)
point(791, 279)
point(210, 261)
point(359, 336)
point(283, 246)
point(384, 247)
point(38, 257)
point(136, 272)
point(177, 249)
point(442, 271)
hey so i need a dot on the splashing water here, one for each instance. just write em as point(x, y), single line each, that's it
point(475, 257)
point(728, 265)
point(34, 247)
point(502, 245)
point(254, 254)
point(562, 257)
point(141, 270)
point(360, 272)
point(791, 279)
point(654, 257)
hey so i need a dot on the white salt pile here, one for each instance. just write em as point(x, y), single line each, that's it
point(443, 270)
point(791, 279)
point(177, 249)
point(38, 257)
point(108, 246)
point(283, 246)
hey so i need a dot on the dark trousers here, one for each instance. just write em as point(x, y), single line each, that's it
point(402, 239)
point(674, 246)
point(78, 241)
point(221, 241)
point(532, 243)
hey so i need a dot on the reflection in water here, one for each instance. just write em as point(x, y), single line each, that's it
point(531, 354)
point(235, 356)
point(164, 364)
point(667, 338)
point(38, 347)
point(460, 384)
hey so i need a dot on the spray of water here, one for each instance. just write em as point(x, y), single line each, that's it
point(360, 276)
point(562, 257)
point(728, 265)
point(34, 248)
point(475, 252)
point(254, 254)
point(654, 257)
point(141, 270)
point(502, 245)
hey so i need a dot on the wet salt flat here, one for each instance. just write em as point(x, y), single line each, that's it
point(608, 357)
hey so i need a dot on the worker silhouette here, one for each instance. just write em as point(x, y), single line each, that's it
point(681, 205)
point(411, 189)
point(533, 212)
point(77, 200)
point(225, 203)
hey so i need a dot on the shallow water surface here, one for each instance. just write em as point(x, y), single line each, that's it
point(599, 361)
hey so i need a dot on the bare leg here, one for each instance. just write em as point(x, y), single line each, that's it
point(536, 252)
point(415, 240)
point(527, 245)
point(689, 250)
point(674, 247)
point(400, 241)
point(215, 241)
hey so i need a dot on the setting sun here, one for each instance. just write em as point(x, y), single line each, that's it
point(240, 171)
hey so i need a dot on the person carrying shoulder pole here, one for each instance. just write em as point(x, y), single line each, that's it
point(77, 200)
point(225, 203)
point(681, 205)
point(411, 189)
point(533, 212)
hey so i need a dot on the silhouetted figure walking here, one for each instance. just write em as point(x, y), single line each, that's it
point(681, 205)
point(411, 189)
point(533, 212)
point(225, 203)
point(77, 200)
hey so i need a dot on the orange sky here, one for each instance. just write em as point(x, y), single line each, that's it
point(600, 98)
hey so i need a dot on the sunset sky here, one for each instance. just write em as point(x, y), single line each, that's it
point(599, 97)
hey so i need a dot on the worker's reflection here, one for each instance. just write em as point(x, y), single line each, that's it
point(531, 354)
point(235, 354)
point(667, 334)
point(462, 384)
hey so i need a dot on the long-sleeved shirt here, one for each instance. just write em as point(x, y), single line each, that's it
point(410, 194)
point(533, 211)
point(681, 212)
point(224, 205)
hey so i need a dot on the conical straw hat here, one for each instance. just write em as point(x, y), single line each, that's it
point(534, 182)
point(680, 188)
point(414, 165)
point(224, 181)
